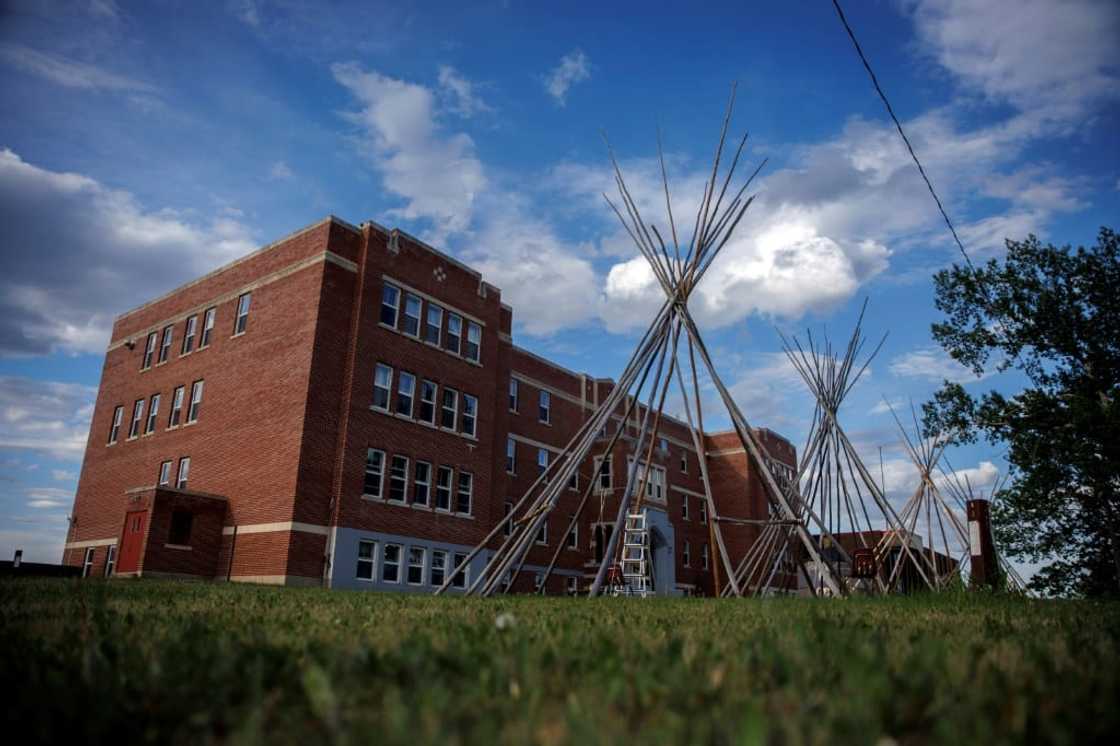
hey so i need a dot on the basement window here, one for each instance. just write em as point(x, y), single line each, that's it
point(572, 584)
point(242, 319)
point(366, 553)
point(416, 557)
point(391, 564)
point(110, 560)
point(439, 567)
point(87, 562)
point(188, 336)
point(390, 304)
point(460, 580)
point(180, 532)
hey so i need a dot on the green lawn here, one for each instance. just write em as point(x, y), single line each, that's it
point(139, 661)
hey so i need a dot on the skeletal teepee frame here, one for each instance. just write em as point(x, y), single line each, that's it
point(678, 268)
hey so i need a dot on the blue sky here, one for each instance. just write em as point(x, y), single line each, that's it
point(141, 145)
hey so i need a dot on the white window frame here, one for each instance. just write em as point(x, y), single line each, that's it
point(176, 413)
point(386, 563)
point(538, 581)
point(153, 413)
point(684, 507)
point(541, 539)
point(406, 317)
point(571, 585)
point(426, 483)
point(449, 487)
point(165, 344)
point(393, 460)
point(110, 560)
point(411, 565)
point(544, 456)
point(387, 388)
point(137, 419)
point(463, 580)
point(207, 335)
point(371, 561)
point(183, 475)
point(460, 492)
point(572, 540)
point(188, 335)
point(379, 471)
point(544, 407)
point(115, 426)
point(469, 415)
point(437, 325)
point(389, 288)
point(686, 554)
point(438, 564)
point(599, 486)
point(511, 456)
point(684, 462)
point(164, 479)
point(514, 395)
point(241, 320)
point(87, 562)
point(655, 484)
point(454, 332)
point(434, 401)
point(149, 351)
point(473, 349)
point(405, 380)
point(196, 401)
point(454, 409)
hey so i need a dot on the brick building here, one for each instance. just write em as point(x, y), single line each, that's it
point(346, 406)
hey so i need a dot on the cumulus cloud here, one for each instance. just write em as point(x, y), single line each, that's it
point(573, 68)
point(931, 364)
point(49, 498)
point(45, 416)
point(459, 93)
point(77, 252)
point(69, 73)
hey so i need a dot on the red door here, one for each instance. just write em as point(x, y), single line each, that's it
point(132, 541)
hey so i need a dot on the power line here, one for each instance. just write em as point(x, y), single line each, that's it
point(898, 126)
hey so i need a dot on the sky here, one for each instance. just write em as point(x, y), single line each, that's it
point(144, 144)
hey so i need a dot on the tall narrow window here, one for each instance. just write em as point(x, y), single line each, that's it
point(110, 560)
point(603, 468)
point(242, 319)
point(686, 554)
point(165, 474)
point(375, 472)
point(165, 343)
point(449, 408)
point(149, 351)
point(545, 414)
point(176, 407)
point(542, 459)
point(196, 401)
point(416, 565)
point(427, 402)
point(443, 488)
point(438, 571)
point(704, 556)
point(470, 415)
point(684, 462)
point(704, 511)
point(391, 564)
point(188, 335)
point(87, 562)
point(137, 418)
point(684, 507)
point(573, 483)
point(398, 478)
point(411, 323)
point(433, 324)
point(507, 525)
point(207, 327)
point(153, 412)
point(511, 455)
point(366, 551)
point(382, 386)
point(406, 390)
point(571, 583)
point(115, 428)
point(474, 341)
point(663, 445)
point(454, 333)
point(184, 473)
point(573, 535)
point(460, 579)
point(390, 304)
point(542, 533)
point(421, 483)
point(463, 495)
point(513, 394)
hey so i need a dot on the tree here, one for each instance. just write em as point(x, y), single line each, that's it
point(1054, 314)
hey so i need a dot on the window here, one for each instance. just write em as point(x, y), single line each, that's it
point(416, 556)
point(390, 304)
point(545, 414)
point(115, 428)
point(433, 324)
point(137, 417)
point(180, 531)
point(704, 511)
point(375, 472)
point(165, 345)
point(511, 456)
point(507, 529)
point(421, 483)
point(654, 478)
point(470, 415)
point(153, 412)
point(704, 556)
point(538, 581)
point(463, 496)
point(684, 507)
point(449, 409)
point(663, 445)
point(184, 473)
point(176, 407)
point(391, 564)
point(443, 488)
point(474, 341)
point(188, 335)
point(686, 554)
point(439, 567)
point(366, 551)
point(573, 535)
point(196, 401)
point(382, 386)
point(398, 478)
point(242, 319)
point(573, 483)
point(164, 474)
point(603, 469)
point(110, 559)
point(542, 532)
point(411, 325)
point(572, 585)
point(684, 462)
point(428, 402)
point(513, 394)
point(542, 459)
point(149, 351)
point(454, 332)
point(406, 389)
point(87, 562)
point(208, 327)
point(460, 579)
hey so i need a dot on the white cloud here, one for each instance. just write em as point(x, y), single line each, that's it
point(459, 92)
point(67, 72)
point(77, 252)
point(573, 68)
point(1055, 58)
point(62, 475)
point(280, 171)
point(931, 364)
point(49, 498)
point(45, 416)
point(884, 406)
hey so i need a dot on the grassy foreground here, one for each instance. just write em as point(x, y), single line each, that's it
point(187, 663)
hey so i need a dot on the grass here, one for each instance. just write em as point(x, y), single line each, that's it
point(145, 662)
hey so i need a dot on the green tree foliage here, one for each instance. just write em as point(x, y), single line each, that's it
point(1053, 313)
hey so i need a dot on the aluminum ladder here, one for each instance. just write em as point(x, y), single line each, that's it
point(635, 556)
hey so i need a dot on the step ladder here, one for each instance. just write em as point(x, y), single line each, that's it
point(635, 556)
